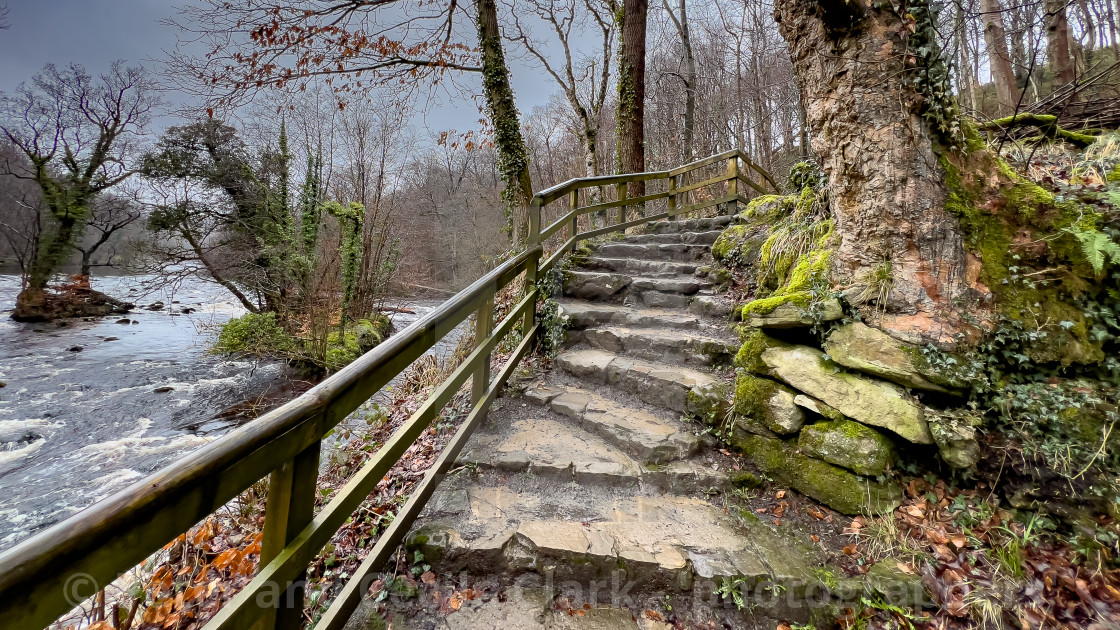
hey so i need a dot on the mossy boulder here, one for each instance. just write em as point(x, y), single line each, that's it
point(840, 489)
point(764, 402)
point(792, 315)
point(854, 446)
point(818, 407)
point(755, 342)
point(811, 271)
point(867, 400)
point(897, 587)
point(860, 347)
point(738, 245)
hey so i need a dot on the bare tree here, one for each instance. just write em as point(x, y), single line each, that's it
point(996, 37)
point(79, 135)
point(109, 215)
point(4, 17)
point(583, 79)
point(687, 74)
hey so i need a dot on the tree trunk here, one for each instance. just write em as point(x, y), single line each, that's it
point(688, 76)
point(632, 92)
point(513, 157)
point(886, 190)
point(1057, 41)
point(1003, 75)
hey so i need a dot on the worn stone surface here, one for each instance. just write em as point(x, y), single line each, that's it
point(868, 400)
point(592, 285)
point(678, 252)
point(817, 407)
point(699, 238)
point(763, 402)
point(641, 434)
point(790, 315)
point(861, 347)
point(682, 285)
point(854, 446)
point(840, 489)
point(671, 387)
point(711, 305)
point(590, 314)
point(668, 345)
point(956, 439)
point(641, 267)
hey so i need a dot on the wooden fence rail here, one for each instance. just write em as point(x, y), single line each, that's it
point(46, 575)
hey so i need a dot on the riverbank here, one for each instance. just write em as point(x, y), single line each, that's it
point(91, 406)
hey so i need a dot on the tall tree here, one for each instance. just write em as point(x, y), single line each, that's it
point(78, 134)
point(1003, 75)
point(1057, 40)
point(632, 91)
point(687, 74)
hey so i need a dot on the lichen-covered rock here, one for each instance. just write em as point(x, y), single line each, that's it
point(854, 446)
point(841, 490)
point(738, 245)
point(791, 315)
point(956, 438)
point(867, 400)
point(817, 407)
point(861, 347)
point(767, 403)
point(755, 342)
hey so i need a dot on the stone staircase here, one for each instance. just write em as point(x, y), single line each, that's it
point(598, 478)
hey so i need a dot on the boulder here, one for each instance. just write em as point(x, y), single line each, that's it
point(854, 446)
point(956, 438)
point(861, 347)
point(897, 587)
point(867, 400)
point(839, 489)
point(792, 315)
point(767, 403)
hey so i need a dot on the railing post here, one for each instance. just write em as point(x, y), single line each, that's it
point(733, 184)
point(672, 198)
point(573, 205)
point(622, 196)
point(534, 236)
point(483, 327)
point(290, 507)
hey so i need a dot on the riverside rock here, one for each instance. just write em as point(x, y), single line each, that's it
point(861, 347)
point(870, 401)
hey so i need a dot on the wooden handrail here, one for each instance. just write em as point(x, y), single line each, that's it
point(49, 573)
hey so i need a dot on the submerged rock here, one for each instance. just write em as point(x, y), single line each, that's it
point(768, 403)
point(861, 347)
point(854, 446)
point(840, 489)
point(870, 401)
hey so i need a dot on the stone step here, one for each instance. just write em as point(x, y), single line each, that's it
point(691, 238)
point(543, 446)
point(678, 252)
point(670, 346)
point(711, 305)
point(583, 314)
point(594, 285)
point(641, 267)
point(690, 225)
point(579, 533)
point(680, 389)
point(643, 435)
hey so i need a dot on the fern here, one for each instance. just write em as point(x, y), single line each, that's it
point(1097, 248)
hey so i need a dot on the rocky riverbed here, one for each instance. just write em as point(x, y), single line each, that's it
point(89, 406)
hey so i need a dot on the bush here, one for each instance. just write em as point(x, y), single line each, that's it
point(255, 334)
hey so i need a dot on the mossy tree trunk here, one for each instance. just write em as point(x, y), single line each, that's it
point(513, 157)
point(870, 129)
point(632, 91)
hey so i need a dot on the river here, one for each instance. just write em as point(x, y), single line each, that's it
point(89, 407)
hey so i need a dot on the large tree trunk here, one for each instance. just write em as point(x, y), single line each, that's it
point(886, 189)
point(632, 92)
point(1057, 41)
point(1003, 75)
point(513, 157)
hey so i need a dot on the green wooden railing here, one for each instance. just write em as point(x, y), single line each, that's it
point(48, 574)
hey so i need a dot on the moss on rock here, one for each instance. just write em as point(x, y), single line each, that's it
point(812, 269)
point(755, 342)
point(768, 403)
point(840, 489)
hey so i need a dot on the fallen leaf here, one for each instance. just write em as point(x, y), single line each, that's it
point(652, 615)
point(850, 550)
point(815, 513)
point(814, 538)
point(428, 578)
point(781, 494)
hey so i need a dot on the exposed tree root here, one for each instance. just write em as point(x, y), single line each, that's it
point(1046, 124)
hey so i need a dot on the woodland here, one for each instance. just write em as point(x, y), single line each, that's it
point(948, 205)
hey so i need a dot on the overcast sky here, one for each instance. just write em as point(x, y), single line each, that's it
point(96, 32)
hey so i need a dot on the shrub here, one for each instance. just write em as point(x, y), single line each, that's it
point(256, 334)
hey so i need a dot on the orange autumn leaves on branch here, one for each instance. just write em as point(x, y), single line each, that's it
point(354, 44)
